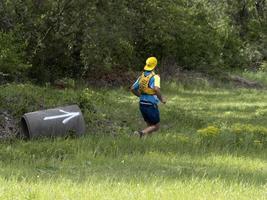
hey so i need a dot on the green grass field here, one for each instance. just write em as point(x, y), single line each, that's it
point(212, 145)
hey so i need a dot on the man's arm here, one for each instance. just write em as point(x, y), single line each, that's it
point(135, 88)
point(157, 89)
point(135, 92)
point(159, 95)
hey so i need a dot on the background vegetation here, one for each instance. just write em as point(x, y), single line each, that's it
point(213, 137)
point(72, 38)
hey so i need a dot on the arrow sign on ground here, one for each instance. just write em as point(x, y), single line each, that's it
point(67, 115)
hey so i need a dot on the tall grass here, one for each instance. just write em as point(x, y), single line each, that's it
point(205, 149)
point(106, 167)
point(260, 76)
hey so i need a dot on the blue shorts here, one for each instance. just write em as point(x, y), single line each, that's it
point(150, 113)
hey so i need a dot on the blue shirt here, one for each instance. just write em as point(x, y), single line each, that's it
point(154, 81)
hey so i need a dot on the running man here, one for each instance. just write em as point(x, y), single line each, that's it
point(147, 88)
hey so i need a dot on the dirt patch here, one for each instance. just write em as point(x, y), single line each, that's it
point(8, 126)
point(242, 82)
point(113, 79)
point(215, 79)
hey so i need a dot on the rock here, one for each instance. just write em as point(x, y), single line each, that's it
point(8, 127)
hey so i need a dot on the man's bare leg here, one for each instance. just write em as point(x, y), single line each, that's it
point(150, 129)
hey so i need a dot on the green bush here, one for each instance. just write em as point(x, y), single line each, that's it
point(249, 134)
point(242, 135)
point(263, 66)
point(12, 59)
point(84, 38)
point(209, 132)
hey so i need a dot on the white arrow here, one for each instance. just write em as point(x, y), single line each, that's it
point(67, 115)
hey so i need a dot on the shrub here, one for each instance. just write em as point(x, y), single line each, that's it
point(263, 66)
point(86, 99)
point(249, 134)
point(209, 132)
point(11, 55)
point(65, 83)
point(238, 135)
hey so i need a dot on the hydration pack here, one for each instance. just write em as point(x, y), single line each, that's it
point(144, 84)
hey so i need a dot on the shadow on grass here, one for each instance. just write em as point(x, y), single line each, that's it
point(126, 159)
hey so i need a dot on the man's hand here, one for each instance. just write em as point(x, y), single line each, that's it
point(163, 100)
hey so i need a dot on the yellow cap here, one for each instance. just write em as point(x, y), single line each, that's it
point(151, 63)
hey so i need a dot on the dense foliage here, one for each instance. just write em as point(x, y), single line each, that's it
point(74, 38)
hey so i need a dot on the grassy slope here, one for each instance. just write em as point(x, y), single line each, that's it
point(111, 165)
